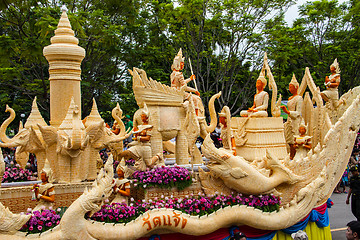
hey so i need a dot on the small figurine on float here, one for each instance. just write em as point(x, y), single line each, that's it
point(140, 148)
point(293, 111)
point(44, 193)
point(302, 143)
point(261, 100)
point(226, 135)
point(332, 82)
point(115, 128)
point(178, 81)
point(121, 187)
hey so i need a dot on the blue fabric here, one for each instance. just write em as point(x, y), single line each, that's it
point(298, 226)
point(329, 203)
point(321, 220)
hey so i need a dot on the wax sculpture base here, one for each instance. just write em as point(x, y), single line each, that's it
point(316, 225)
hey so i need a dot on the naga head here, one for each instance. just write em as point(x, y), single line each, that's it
point(92, 200)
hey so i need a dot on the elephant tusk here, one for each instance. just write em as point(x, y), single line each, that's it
point(85, 142)
point(8, 145)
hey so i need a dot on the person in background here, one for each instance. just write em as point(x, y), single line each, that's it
point(354, 192)
point(238, 236)
point(353, 230)
point(128, 125)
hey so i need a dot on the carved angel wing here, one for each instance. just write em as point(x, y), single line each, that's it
point(313, 88)
point(302, 86)
point(275, 105)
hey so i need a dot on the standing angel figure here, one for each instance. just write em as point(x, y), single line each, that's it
point(44, 193)
point(293, 111)
point(178, 81)
point(226, 134)
point(332, 82)
point(302, 143)
point(121, 187)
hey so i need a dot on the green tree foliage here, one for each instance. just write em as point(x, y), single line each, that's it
point(325, 30)
point(225, 40)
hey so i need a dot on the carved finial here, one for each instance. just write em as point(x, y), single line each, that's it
point(177, 60)
point(302, 124)
point(72, 116)
point(48, 171)
point(336, 65)
point(64, 8)
point(294, 81)
point(35, 117)
point(262, 78)
point(179, 53)
point(94, 116)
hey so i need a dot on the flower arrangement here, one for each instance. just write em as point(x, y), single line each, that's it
point(41, 221)
point(130, 162)
point(163, 177)
point(14, 173)
point(195, 206)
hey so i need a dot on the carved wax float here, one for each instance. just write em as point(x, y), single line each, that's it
point(303, 185)
point(70, 146)
point(321, 171)
point(170, 116)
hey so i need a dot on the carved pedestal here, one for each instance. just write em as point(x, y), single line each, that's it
point(261, 134)
point(18, 199)
point(152, 193)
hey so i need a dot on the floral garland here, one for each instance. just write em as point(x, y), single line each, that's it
point(130, 162)
point(41, 221)
point(195, 206)
point(15, 173)
point(163, 177)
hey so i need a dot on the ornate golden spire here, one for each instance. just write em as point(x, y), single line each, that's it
point(94, 116)
point(64, 57)
point(64, 52)
point(35, 117)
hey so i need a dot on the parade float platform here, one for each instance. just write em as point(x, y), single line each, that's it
point(18, 199)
